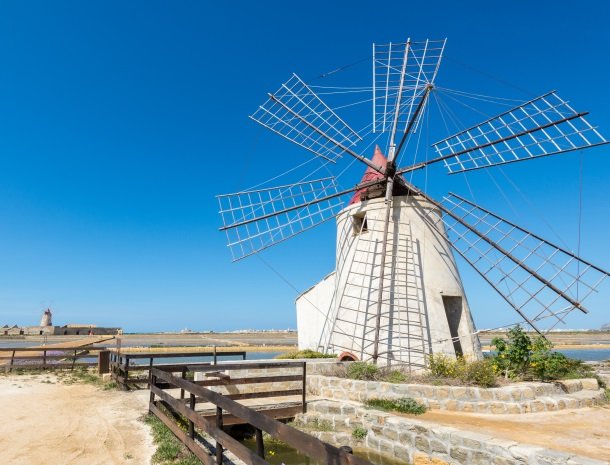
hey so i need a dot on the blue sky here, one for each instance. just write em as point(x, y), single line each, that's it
point(120, 122)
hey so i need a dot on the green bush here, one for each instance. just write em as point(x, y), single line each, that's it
point(519, 356)
point(479, 372)
point(443, 366)
point(362, 370)
point(359, 433)
point(403, 405)
point(304, 354)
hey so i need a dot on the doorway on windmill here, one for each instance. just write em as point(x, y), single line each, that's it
point(360, 223)
point(453, 311)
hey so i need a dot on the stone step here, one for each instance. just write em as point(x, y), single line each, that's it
point(516, 398)
point(578, 399)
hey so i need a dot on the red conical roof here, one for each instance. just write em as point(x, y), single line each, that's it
point(370, 174)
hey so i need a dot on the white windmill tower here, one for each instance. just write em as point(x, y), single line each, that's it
point(396, 295)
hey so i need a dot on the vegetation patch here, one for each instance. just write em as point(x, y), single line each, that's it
point(359, 433)
point(477, 372)
point(304, 354)
point(170, 451)
point(402, 405)
point(521, 357)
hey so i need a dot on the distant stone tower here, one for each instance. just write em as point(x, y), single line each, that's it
point(47, 318)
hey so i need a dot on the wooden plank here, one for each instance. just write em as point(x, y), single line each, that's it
point(193, 446)
point(48, 357)
point(208, 427)
point(260, 395)
point(52, 366)
point(252, 380)
point(303, 442)
point(273, 413)
point(252, 366)
point(51, 347)
point(180, 354)
point(167, 367)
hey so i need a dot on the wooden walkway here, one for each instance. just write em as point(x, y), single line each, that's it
point(39, 352)
point(174, 401)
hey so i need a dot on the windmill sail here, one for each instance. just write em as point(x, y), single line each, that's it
point(257, 219)
point(401, 74)
point(537, 278)
point(546, 125)
point(296, 113)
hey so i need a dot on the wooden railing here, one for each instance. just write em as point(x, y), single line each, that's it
point(36, 358)
point(121, 364)
point(223, 409)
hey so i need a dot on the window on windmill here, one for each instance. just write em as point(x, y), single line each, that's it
point(360, 223)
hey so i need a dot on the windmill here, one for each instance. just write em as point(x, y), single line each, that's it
point(396, 294)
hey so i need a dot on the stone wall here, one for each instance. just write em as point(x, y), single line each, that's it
point(514, 398)
point(418, 442)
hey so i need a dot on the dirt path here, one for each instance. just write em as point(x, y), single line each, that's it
point(45, 422)
point(582, 432)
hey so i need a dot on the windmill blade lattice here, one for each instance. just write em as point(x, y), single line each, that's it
point(257, 219)
point(546, 125)
point(537, 278)
point(296, 113)
point(401, 73)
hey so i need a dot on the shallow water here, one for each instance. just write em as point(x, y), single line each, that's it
point(277, 453)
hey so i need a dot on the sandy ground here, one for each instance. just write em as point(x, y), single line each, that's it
point(45, 422)
point(583, 431)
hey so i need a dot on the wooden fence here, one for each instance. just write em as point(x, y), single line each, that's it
point(36, 358)
point(121, 364)
point(223, 409)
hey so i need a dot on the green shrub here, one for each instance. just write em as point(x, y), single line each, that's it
point(304, 354)
point(362, 370)
point(443, 366)
point(479, 372)
point(403, 405)
point(521, 356)
point(359, 433)
point(394, 376)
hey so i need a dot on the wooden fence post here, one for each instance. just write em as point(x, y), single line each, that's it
point(151, 401)
point(218, 445)
point(260, 444)
point(103, 362)
point(183, 377)
point(304, 387)
point(12, 361)
point(191, 424)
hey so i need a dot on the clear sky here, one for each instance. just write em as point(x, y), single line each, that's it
point(120, 122)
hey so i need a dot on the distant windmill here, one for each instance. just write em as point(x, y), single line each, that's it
point(396, 295)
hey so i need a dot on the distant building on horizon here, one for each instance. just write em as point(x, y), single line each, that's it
point(46, 328)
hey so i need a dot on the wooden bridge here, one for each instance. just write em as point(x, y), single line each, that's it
point(197, 411)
